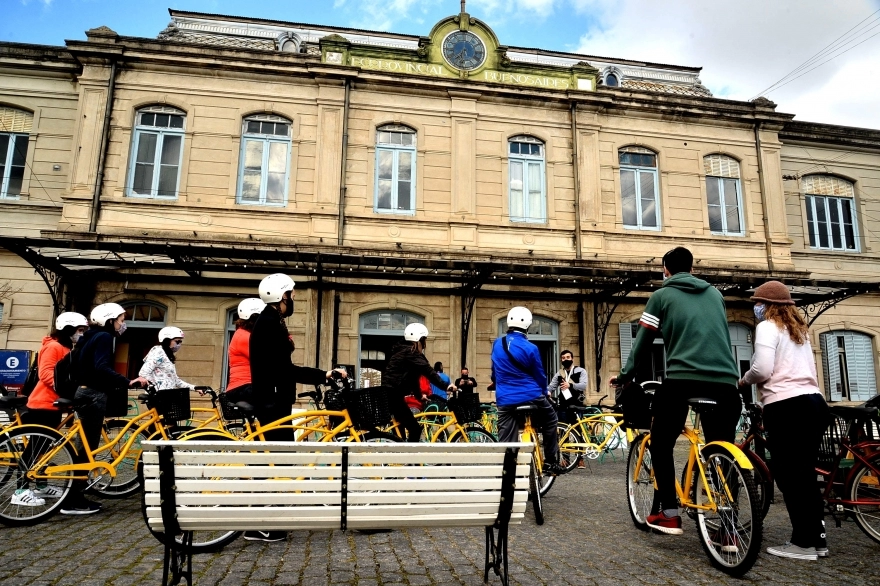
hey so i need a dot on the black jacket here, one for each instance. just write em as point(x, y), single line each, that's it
point(466, 384)
point(93, 359)
point(404, 369)
point(273, 373)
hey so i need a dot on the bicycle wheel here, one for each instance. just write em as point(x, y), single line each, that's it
point(21, 449)
point(569, 455)
point(535, 493)
point(731, 534)
point(474, 434)
point(763, 482)
point(377, 436)
point(865, 486)
point(126, 481)
point(640, 484)
point(203, 541)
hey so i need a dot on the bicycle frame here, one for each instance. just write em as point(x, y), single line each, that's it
point(422, 418)
point(307, 423)
point(858, 451)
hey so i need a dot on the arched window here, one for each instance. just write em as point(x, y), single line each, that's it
point(157, 150)
point(831, 217)
point(543, 333)
point(395, 169)
point(144, 319)
point(848, 365)
point(528, 202)
point(611, 80)
point(15, 126)
point(265, 160)
point(379, 332)
point(724, 195)
point(639, 191)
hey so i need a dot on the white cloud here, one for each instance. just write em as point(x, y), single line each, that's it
point(746, 46)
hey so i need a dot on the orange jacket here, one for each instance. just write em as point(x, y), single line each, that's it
point(239, 359)
point(44, 393)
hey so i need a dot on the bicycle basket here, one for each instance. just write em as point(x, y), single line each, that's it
point(368, 408)
point(230, 411)
point(333, 400)
point(466, 408)
point(636, 406)
point(439, 403)
point(173, 405)
point(117, 404)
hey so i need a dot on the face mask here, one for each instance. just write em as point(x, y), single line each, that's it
point(567, 363)
point(759, 312)
point(75, 338)
point(176, 348)
point(122, 329)
point(288, 304)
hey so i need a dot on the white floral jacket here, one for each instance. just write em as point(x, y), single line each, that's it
point(160, 371)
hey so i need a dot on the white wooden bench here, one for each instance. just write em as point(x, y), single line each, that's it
point(248, 486)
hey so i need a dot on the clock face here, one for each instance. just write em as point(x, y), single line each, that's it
point(464, 50)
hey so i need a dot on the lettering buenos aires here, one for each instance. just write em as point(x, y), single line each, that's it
point(525, 79)
point(397, 66)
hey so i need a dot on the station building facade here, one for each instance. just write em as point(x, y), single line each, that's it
point(440, 179)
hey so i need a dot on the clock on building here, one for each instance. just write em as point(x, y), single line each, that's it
point(464, 50)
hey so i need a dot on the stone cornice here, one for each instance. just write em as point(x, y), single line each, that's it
point(812, 132)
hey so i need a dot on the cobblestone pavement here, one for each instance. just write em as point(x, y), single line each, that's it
point(588, 540)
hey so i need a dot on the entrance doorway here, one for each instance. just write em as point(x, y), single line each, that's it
point(144, 319)
point(741, 346)
point(378, 332)
point(543, 333)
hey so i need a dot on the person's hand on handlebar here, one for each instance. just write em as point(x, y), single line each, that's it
point(337, 373)
point(451, 389)
point(138, 382)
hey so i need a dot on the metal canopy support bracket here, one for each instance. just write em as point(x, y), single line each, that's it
point(52, 273)
point(468, 301)
point(814, 307)
point(605, 303)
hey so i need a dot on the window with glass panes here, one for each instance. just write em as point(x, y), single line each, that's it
point(15, 126)
point(157, 149)
point(265, 160)
point(639, 192)
point(526, 177)
point(831, 217)
point(724, 195)
point(395, 169)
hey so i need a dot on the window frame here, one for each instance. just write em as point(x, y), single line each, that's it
point(810, 203)
point(395, 151)
point(6, 175)
point(267, 140)
point(638, 170)
point(137, 132)
point(527, 162)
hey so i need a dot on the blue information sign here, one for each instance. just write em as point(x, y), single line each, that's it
point(14, 365)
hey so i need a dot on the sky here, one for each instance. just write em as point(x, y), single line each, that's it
point(744, 47)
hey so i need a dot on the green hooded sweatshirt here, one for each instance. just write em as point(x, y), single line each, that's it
point(690, 315)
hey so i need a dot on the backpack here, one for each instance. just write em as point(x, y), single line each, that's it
point(65, 381)
point(33, 377)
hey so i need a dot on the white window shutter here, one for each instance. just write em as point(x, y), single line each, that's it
point(860, 362)
point(830, 365)
point(626, 341)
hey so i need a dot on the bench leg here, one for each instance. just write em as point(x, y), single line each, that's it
point(496, 555)
point(176, 557)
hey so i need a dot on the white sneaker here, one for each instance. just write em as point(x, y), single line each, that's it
point(790, 550)
point(25, 497)
point(49, 492)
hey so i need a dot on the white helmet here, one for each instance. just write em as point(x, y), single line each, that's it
point(105, 311)
point(169, 333)
point(250, 306)
point(70, 318)
point(273, 287)
point(415, 332)
point(519, 317)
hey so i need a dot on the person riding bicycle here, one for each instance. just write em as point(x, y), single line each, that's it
point(239, 386)
point(520, 380)
point(92, 368)
point(692, 318)
point(401, 378)
point(795, 415)
point(159, 367)
point(273, 374)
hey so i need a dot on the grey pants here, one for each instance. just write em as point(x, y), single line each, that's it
point(543, 419)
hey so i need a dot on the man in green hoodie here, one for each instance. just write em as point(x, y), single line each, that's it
point(690, 315)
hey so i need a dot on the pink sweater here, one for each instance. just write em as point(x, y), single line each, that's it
point(781, 368)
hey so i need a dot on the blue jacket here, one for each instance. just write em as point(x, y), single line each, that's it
point(437, 390)
point(513, 385)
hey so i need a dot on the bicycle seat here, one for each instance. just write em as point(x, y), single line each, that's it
point(700, 403)
point(8, 403)
point(578, 408)
point(245, 408)
point(143, 397)
point(527, 408)
point(67, 404)
point(855, 412)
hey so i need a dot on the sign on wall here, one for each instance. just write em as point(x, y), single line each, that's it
point(14, 365)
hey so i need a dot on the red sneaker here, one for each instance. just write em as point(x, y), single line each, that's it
point(664, 524)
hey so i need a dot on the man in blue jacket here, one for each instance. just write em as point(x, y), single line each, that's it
point(520, 380)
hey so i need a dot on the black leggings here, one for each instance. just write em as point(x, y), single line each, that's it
point(670, 409)
point(794, 431)
point(400, 410)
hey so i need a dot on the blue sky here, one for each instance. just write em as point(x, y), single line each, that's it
point(743, 48)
